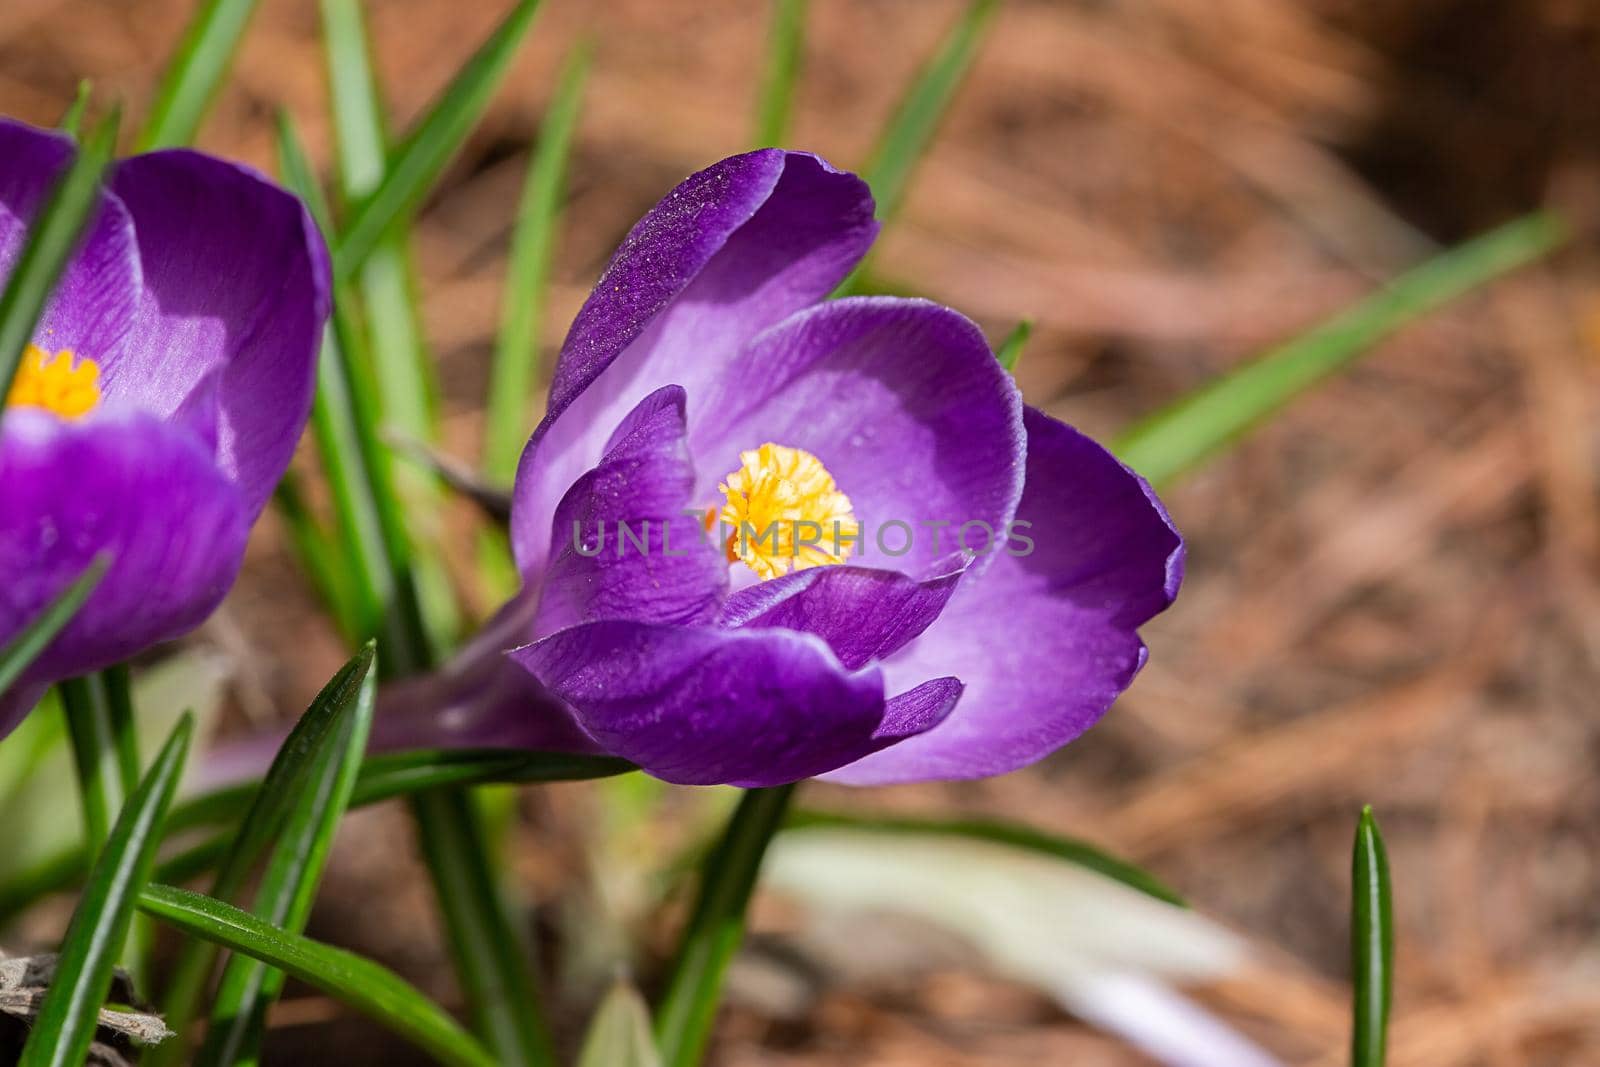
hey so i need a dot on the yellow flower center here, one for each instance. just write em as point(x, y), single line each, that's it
point(784, 512)
point(62, 384)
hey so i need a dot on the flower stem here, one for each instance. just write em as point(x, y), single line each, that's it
point(716, 927)
point(105, 751)
point(490, 955)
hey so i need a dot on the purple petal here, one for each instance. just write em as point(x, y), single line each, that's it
point(700, 706)
point(904, 404)
point(143, 491)
point(863, 614)
point(1046, 641)
point(734, 249)
point(671, 572)
point(235, 284)
point(93, 305)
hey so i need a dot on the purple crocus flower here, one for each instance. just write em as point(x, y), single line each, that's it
point(159, 402)
point(705, 383)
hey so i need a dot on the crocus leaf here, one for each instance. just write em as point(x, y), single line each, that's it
point(72, 119)
point(516, 356)
point(196, 73)
point(367, 987)
point(910, 131)
point(65, 1025)
point(104, 747)
point(294, 868)
point(344, 419)
point(1010, 349)
point(31, 640)
point(404, 386)
point(417, 161)
point(786, 44)
point(266, 811)
point(1016, 835)
point(1371, 945)
point(716, 926)
point(619, 1035)
point(50, 242)
point(1198, 425)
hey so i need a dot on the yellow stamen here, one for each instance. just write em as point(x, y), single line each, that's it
point(785, 512)
point(70, 388)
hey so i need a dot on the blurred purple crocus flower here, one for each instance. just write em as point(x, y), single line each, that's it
point(159, 402)
point(706, 376)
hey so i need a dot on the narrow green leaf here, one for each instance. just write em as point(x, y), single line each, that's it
point(25, 647)
point(320, 554)
point(1011, 348)
point(1016, 835)
point(67, 1017)
point(716, 926)
point(72, 119)
point(1371, 945)
point(370, 989)
point(490, 954)
point(104, 749)
point(50, 242)
point(344, 419)
point(394, 351)
point(270, 806)
point(516, 356)
point(196, 73)
point(1198, 425)
point(421, 157)
point(786, 45)
point(238, 1010)
point(619, 1035)
point(905, 141)
point(910, 131)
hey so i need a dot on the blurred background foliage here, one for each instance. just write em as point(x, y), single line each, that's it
point(1392, 590)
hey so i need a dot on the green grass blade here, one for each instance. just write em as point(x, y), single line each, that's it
point(238, 1011)
point(1371, 945)
point(490, 954)
point(1179, 437)
point(72, 119)
point(1010, 350)
point(516, 356)
point(50, 242)
point(716, 927)
point(619, 1035)
point(1015, 835)
point(786, 46)
point(911, 129)
point(67, 1017)
point(266, 810)
point(418, 160)
point(25, 647)
point(344, 419)
point(909, 133)
point(196, 73)
point(394, 351)
point(104, 751)
point(367, 987)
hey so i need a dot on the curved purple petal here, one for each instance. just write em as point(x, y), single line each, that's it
point(1046, 641)
point(93, 305)
point(734, 249)
point(702, 706)
point(905, 405)
point(235, 285)
point(623, 546)
point(863, 614)
point(144, 492)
